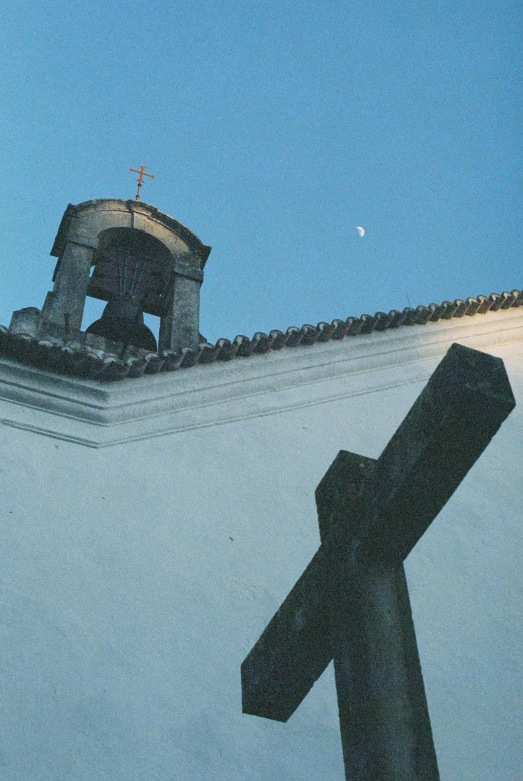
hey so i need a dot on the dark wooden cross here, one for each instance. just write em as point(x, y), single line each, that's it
point(140, 179)
point(352, 602)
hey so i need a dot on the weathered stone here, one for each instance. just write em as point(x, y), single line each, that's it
point(448, 427)
point(26, 321)
point(65, 304)
point(79, 245)
point(294, 649)
point(352, 601)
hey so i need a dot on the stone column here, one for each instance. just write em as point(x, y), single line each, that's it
point(384, 719)
point(65, 304)
point(180, 327)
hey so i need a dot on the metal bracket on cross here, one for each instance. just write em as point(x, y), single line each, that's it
point(352, 602)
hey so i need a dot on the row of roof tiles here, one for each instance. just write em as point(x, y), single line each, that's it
point(70, 357)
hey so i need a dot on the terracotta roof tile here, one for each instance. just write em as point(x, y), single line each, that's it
point(70, 357)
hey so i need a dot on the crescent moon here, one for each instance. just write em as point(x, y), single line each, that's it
point(360, 230)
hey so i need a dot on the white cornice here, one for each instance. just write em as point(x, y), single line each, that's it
point(99, 415)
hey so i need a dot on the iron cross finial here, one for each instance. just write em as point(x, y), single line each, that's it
point(140, 178)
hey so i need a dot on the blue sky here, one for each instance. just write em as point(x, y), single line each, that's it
point(273, 129)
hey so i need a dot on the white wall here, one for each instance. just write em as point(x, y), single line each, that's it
point(136, 572)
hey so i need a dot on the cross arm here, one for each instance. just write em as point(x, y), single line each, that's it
point(295, 648)
point(293, 651)
point(449, 425)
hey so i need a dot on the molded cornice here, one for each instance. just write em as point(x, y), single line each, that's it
point(98, 414)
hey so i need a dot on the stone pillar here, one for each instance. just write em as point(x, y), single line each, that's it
point(65, 304)
point(26, 321)
point(180, 327)
point(384, 719)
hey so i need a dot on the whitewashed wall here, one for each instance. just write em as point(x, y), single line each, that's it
point(149, 530)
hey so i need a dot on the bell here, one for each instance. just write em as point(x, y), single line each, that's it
point(122, 321)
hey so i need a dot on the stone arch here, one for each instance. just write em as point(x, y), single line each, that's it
point(87, 229)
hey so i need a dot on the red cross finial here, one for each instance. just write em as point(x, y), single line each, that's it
point(140, 178)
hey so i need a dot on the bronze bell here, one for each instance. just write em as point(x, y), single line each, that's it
point(122, 321)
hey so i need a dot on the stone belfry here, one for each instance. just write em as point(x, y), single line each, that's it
point(136, 258)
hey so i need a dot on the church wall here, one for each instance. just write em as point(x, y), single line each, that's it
point(136, 572)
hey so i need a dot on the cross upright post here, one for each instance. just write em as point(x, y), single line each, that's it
point(352, 602)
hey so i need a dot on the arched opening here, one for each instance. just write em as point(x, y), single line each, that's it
point(130, 263)
point(133, 272)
